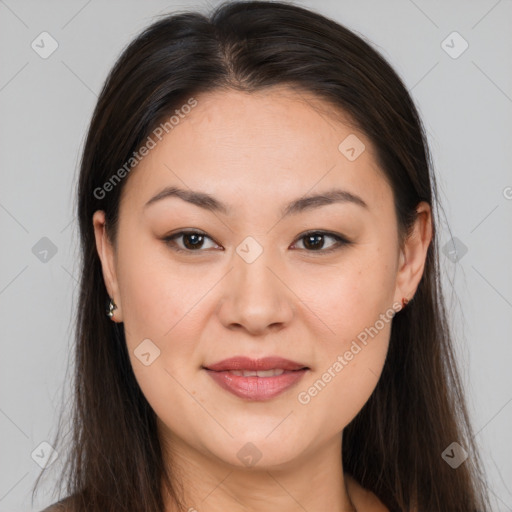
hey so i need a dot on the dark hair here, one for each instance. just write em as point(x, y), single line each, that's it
point(393, 446)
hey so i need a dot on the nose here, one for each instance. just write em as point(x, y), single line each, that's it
point(256, 297)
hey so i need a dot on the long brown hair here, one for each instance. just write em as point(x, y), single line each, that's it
point(393, 447)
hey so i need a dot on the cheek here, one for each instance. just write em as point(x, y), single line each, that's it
point(356, 315)
point(347, 377)
point(156, 295)
point(352, 295)
point(159, 317)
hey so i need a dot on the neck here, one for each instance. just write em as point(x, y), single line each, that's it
point(212, 484)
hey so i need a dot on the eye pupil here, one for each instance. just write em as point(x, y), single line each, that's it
point(310, 241)
point(194, 236)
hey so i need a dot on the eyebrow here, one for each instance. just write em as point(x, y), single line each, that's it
point(210, 203)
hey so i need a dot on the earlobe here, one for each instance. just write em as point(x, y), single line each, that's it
point(414, 254)
point(106, 254)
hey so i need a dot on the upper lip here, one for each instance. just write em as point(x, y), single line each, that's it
point(246, 363)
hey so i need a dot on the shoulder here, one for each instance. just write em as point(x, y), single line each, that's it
point(61, 506)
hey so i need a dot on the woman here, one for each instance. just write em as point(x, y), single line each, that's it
point(256, 209)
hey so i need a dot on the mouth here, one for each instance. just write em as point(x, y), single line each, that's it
point(256, 379)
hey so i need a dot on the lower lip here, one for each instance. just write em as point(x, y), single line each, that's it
point(256, 388)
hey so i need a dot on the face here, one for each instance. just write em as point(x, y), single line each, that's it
point(315, 284)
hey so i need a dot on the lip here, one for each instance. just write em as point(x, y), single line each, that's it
point(256, 388)
point(246, 363)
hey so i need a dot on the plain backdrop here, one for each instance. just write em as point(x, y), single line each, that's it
point(464, 96)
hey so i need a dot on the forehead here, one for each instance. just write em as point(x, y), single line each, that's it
point(262, 146)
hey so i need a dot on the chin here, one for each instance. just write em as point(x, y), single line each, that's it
point(259, 452)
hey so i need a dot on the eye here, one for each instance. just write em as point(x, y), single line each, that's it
point(314, 241)
point(193, 241)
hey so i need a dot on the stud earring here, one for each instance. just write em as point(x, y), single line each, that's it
point(110, 309)
point(404, 302)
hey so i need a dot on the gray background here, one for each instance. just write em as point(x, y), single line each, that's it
point(45, 105)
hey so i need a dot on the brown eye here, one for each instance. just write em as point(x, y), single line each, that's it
point(192, 241)
point(314, 241)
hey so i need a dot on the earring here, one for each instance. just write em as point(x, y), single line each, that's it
point(110, 308)
point(404, 302)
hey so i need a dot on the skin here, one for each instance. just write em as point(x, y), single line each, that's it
point(256, 153)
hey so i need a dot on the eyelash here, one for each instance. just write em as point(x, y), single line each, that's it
point(340, 241)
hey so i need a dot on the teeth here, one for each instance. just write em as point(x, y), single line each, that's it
point(260, 373)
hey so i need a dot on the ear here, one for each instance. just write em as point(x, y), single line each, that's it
point(414, 253)
point(107, 256)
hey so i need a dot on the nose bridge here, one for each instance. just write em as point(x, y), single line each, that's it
point(255, 297)
point(255, 266)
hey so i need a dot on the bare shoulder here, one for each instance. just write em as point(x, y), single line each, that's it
point(362, 498)
point(56, 507)
point(61, 506)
